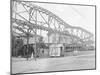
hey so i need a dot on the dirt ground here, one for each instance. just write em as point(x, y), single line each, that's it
point(81, 60)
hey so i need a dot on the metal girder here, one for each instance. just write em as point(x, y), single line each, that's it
point(34, 26)
point(49, 29)
point(79, 33)
point(47, 12)
point(25, 33)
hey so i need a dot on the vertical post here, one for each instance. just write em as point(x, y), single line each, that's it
point(59, 38)
point(48, 33)
point(48, 27)
point(35, 34)
point(14, 14)
point(12, 5)
point(15, 8)
point(59, 34)
point(28, 33)
point(27, 42)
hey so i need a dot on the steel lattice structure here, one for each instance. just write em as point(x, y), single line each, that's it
point(28, 18)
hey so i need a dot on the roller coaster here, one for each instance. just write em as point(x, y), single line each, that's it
point(28, 19)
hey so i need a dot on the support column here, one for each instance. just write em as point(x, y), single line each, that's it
point(48, 33)
point(35, 33)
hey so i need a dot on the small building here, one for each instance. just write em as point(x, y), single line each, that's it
point(56, 50)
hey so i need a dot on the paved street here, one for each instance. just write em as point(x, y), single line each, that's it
point(82, 61)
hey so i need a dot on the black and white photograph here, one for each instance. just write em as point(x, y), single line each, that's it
point(52, 37)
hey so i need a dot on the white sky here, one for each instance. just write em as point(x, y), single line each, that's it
point(75, 15)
